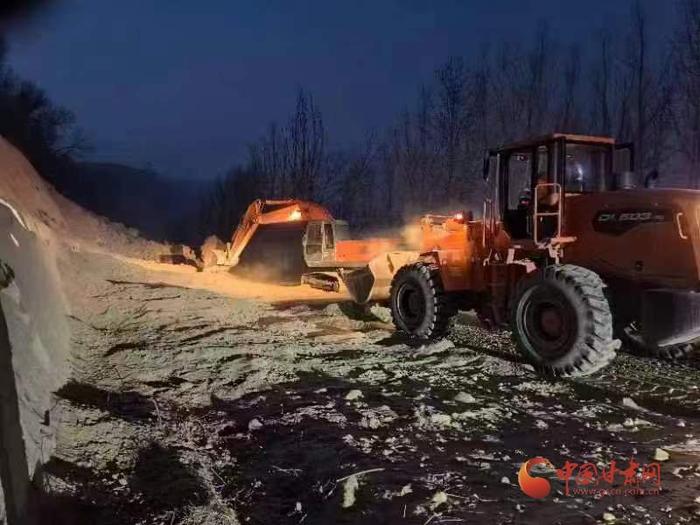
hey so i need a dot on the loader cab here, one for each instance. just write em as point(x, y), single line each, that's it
point(320, 240)
point(533, 179)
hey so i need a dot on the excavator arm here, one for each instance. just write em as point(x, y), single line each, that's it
point(264, 212)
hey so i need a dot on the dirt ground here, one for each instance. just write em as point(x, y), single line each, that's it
point(197, 401)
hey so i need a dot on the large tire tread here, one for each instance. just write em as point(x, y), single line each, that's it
point(595, 349)
point(442, 317)
point(673, 353)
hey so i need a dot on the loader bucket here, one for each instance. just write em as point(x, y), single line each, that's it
point(373, 282)
point(274, 254)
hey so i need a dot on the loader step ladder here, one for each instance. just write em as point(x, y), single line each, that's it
point(553, 209)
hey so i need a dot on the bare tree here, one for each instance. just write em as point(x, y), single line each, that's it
point(686, 109)
point(358, 188)
point(306, 138)
point(44, 132)
point(601, 76)
point(650, 88)
point(568, 115)
point(640, 74)
point(413, 154)
point(537, 81)
point(451, 117)
point(481, 99)
point(631, 91)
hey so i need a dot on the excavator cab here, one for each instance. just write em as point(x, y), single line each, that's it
point(320, 241)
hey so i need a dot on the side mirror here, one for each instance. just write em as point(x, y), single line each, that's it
point(486, 168)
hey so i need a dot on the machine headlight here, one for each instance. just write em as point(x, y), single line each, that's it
point(680, 224)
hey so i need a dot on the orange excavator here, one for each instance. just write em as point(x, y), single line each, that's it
point(292, 241)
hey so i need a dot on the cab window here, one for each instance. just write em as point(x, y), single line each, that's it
point(519, 179)
point(313, 239)
point(586, 167)
point(328, 234)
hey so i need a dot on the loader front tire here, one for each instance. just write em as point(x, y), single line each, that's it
point(420, 307)
point(562, 322)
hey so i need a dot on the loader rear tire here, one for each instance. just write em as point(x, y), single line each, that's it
point(420, 307)
point(562, 322)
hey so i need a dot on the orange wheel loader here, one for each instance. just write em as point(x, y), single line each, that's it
point(571, 252)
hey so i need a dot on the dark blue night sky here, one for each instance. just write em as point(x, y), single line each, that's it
point(186, 84)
